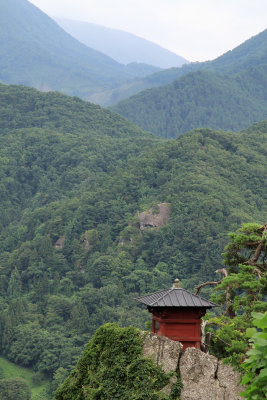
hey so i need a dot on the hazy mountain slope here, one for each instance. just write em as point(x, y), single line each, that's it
point(200, 99)
point(122, 46)
point(140, 69)
point(74, 172)
point(35, 51)
point(252, 52)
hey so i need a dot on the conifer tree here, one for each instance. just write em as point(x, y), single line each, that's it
point(240, 292)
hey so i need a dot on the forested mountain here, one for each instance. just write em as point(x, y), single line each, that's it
point(251, 53)
point(95, 212)
point(35, 51)
point(200, 99)
point(122, 46)
point(103, 141)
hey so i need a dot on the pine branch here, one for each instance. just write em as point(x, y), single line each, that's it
point(206, 284)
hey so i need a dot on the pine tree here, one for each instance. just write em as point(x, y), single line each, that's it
point(240, 292)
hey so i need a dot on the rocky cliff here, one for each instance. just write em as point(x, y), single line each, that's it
point(128, 364)
point(203, 377)
point(155, 217)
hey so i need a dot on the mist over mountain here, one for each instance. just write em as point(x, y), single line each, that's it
point(122, 46)
point(95, 211)
point(35, 51)
point(252, 52)
point(228, 93)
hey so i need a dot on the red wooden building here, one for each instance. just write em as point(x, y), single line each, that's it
point(177, 314)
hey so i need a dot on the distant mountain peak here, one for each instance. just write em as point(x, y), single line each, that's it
point(122, 46)
point(35, 51)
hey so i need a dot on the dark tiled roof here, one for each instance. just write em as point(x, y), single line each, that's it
point(175, 297)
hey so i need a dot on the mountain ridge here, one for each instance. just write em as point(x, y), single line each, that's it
point(229, 63)
point(122, 46)
point(199, 99)
point(36, 52)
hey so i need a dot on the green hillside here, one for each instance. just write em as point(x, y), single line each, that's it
point(200, 99)
point(251, 53)
point(74, 250)
point(12, 375)
point(51, 144)
point(136, 377)
point(35, 51)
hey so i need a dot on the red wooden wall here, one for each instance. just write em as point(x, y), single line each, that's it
point(179, 325)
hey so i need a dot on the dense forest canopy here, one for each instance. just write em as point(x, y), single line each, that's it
point(202, 98)
point(36, 52)
point(241, 293)
point(95, 211)
point(251, 53)
point(79, 189)
point(113, 366)
point(227, 93)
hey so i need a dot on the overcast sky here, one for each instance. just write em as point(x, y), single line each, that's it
point(195, 29)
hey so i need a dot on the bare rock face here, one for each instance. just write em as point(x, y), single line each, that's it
point(60, 242)
point(229, 380)
point(198, 371)
point(162, 351)
point(86, 242)
point(155, 217)
point(204, 378)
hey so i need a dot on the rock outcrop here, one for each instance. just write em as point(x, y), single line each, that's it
point(162, 351)
point(229, 381)
point(203, 376)
point(60, 242)
point(90, 239)
point(86, 242)
point(198, 372)
point(126, 363)
point(155, 217)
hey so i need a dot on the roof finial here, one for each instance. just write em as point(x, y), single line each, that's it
point(177, 284)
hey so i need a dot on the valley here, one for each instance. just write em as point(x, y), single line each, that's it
point(99, 206)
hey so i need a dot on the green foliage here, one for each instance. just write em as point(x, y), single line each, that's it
point(38, 378)
point(256, 364)
point(112, 367)
point(200, 99)
point(249, 54)
point(74, 172)
point(242, 292)
point(37, 382)
point(59, 377)
point(176, 389)
point(229, 342)
point(14, 388)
